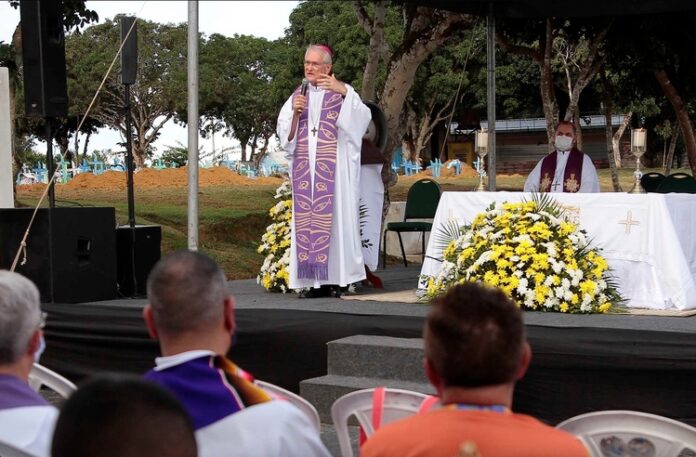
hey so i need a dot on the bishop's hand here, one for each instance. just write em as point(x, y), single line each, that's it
point(329, 82)
point(298, 103)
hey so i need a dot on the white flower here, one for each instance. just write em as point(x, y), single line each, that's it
point(522, 286)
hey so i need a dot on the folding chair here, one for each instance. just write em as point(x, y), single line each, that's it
point(651, 181)
point(421, 203)
point(41, 376)
point(395, 404)
point(682, 183)
point(305, 406)
point(632, 433)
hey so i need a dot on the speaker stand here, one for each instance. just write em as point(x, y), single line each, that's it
point(130, 184)
point(49, 162)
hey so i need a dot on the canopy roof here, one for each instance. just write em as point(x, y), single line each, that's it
point(559, 8)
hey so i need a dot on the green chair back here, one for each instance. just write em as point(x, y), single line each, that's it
point(682, 183)
point(422, 200)
point(651, 181)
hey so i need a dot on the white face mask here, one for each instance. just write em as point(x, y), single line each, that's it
point(40, 350)
point(563, 143)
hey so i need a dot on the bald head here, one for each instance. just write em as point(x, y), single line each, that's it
point(186, 291)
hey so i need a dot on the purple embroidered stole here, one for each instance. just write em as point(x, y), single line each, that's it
point(572, 175)
point(313, 205)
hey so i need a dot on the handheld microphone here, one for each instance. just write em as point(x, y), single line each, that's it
point(303, 89)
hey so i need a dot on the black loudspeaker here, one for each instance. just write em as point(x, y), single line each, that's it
point(129, 52)
point(43, 56)
point(147, 240)
point(82, 265)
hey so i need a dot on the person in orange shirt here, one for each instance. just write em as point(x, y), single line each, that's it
point(475, 351)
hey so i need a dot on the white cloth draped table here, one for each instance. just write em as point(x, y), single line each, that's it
point(647, 239)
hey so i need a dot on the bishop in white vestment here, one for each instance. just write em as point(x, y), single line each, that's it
point(321, 133)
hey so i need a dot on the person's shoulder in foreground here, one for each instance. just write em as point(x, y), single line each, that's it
point(442, 432)
point(475, 351)
point(275, 428)
point(26, 418)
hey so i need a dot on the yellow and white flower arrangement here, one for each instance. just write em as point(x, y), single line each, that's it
point(275, 243)
point(533, 253)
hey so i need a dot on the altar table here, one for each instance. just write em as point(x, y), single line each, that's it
point(648, 240)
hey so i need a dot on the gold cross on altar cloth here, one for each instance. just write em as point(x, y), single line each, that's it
point(628, 222)
point(571, 213)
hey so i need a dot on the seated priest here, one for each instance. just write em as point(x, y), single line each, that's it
point(566, 169)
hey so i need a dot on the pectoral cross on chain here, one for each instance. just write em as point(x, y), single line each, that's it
point(314, 131)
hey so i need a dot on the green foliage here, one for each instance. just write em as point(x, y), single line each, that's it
point(160, 87)
point(237, 86)
point(176, 156)
point(75, 14)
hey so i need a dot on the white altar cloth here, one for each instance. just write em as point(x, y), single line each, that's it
point(648, 240)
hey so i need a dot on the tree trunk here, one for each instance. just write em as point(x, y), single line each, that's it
point(672, 147)
point(608, 105)
point(416, 46)
point(375, 48)
point(84, 147)
point(243, 144)
point(548, 94)
point(139, 153)
point(578, 130)
point(682, 115)
point(616, 140)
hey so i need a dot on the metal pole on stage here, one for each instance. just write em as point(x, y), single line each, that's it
point(51, 201)
point(490, 51)
point(129, 155)
point(129, 67)
point(192, 167)
point(49, 163)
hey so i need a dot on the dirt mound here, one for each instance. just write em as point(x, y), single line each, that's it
point(168, 177)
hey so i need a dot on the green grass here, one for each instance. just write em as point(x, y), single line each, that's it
point(232, 219)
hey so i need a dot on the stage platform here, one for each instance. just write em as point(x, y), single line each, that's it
point(581, 363)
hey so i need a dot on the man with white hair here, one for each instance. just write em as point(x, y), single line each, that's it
point(26, 419)
point(320, 128)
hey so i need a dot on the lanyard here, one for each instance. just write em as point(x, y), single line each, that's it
point(468, 407)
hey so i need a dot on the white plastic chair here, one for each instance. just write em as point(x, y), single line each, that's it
point(305, 406)
point(398, 404)
point(8, 450)
point(42, 376)
point(621, 432)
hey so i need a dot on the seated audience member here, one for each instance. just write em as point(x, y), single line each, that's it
point(123, 416)
point(567, 169)
point(475, 351)
point(191, 313)
point(26, 419)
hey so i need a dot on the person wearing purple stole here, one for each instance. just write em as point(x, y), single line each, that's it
point(566, 169)
point(191, 313)
point(320, 127)
point(26, 419)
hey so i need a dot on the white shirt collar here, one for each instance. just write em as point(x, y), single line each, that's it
point(162, 363)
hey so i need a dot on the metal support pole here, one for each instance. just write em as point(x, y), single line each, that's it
point(130, 185)
point(490, 53)
point(49, 163)
point(193, 125)
point(129, 155)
